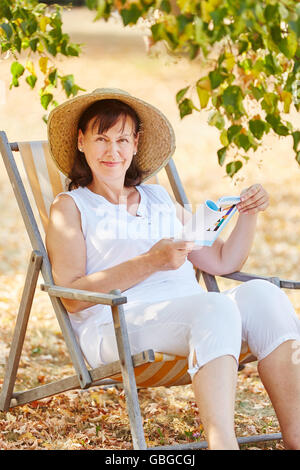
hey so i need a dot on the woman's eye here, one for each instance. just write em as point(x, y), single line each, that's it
point(124, 140)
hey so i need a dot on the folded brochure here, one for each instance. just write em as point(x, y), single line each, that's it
point(209, 220)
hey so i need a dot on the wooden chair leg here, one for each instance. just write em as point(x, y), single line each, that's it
point(20, 329)
point(129, 382)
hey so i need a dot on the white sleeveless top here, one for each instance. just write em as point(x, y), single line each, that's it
point(113, 236)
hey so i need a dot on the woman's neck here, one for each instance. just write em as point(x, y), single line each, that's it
point(113, 192)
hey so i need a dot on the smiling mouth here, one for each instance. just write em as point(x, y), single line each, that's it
point(111, 163)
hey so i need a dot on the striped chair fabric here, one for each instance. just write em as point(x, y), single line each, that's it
point(46, 181)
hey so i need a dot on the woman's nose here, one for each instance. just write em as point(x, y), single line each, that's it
point(113, 149)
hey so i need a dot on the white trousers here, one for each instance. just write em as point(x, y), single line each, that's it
point(208, 324)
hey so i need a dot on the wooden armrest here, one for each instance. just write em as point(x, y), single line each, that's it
point(241, 276)
point(88, 296)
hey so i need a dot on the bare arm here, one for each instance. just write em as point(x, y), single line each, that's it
point(67, 253)
point(225, 257)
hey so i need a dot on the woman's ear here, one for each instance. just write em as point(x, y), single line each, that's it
point(80, 140)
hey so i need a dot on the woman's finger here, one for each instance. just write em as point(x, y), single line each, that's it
point(255, 208)
point(256, 201)
point(251, 191)
point(261, 206)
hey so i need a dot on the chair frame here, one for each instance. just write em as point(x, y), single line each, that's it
point(84, 377)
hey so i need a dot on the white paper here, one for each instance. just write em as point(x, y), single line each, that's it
point(209, 220)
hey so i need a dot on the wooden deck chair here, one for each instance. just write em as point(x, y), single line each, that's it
point(146, 369)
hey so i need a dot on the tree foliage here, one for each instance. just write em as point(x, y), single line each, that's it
point(36, 29)
point(249, 50)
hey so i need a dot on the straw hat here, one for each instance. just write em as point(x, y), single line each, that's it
point(156, 141)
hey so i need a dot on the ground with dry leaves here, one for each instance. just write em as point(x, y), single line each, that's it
point(97, 418)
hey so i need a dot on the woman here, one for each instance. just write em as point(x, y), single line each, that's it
point(110, 231)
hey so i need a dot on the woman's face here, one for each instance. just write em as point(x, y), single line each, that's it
point(109, 154)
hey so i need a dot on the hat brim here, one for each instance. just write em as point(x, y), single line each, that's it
point(156, 141)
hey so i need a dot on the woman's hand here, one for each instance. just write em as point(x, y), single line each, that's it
point(169, 254)
point(253, 199)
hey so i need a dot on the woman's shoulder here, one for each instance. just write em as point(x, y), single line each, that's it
point(66, 200)
point(70, 195)
point(63, 202)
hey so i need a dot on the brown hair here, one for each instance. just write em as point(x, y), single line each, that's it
point(106, 112)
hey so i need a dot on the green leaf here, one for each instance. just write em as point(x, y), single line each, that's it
point(165, 6)
point(31, 80)
point(53, 77)
point(287, 99)
point(69, 86)
point(276, 33)
point(296, 139)
point(181, 94)
point(295, 26)
point(233, 131)
point(298, 157)
point(51, 48)
point(67, 83)
point(158, 31)
point(17, 70)
point(259, 12)
point(216, 119)
point(242, 46)
point(288, 45)
point(232, 100)
point(5, 10)
point(223, 138)
point(7, 29)
point(200, 35)
point(193, 51)
point(277, 125)
point(271, 65)
point(242, 140)
point(218, 15)
point(216, 78)
point(73, 50)
point(257, 91)
point(233, 167)
point(131, 15)
point(46, 99)
point(91, 4)
point(256, 41)
point(56, 34)
point(17, 43)
point(271, 13)
point(186, 107)
point(221, 155)
point(269, 103)
point(31, 26)
point(182, 21)
point(257, 127)
point(33, 44)
point(75, 89)
point(203, 95)
point(101, 6)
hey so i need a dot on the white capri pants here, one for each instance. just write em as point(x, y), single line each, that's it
point(210, 324)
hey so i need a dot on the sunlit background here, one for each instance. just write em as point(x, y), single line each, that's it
point(117, 57)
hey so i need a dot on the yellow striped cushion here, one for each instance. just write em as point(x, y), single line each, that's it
point(168, 370)
point(45, 180)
